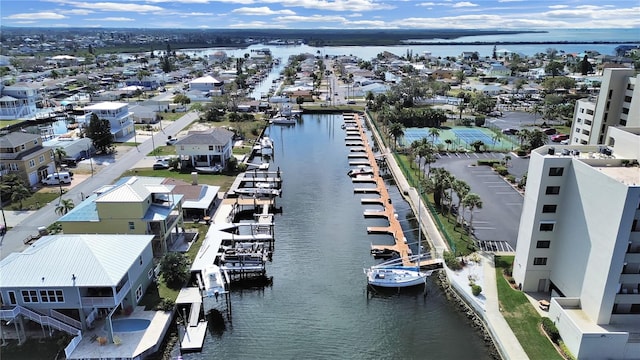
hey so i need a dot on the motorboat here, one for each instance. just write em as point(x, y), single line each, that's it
point(396, 276)
point(259, 191)
point(214, 283)
point(283, 120)
point(266, 146)
point(360, 170)
point(383, 253)
point(216, 169)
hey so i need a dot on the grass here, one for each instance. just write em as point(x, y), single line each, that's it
point(242, 150)
point(166, 150)
point(523, 319)
point(10, 122)
point(222, 180)
point(36, 201)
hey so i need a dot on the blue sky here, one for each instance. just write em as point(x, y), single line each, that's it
point(323, 14)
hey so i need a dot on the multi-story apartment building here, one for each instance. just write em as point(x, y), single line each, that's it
point(23, 154)
point(579, 239)
point(119, 116)
point(17, 102)
point(134, 205)
point(617, 104)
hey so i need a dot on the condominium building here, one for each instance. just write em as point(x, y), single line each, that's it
point(618, 104)
point(579, 239)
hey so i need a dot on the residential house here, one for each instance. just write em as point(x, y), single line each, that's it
point(199, 200)
point(579, 242)
point(74, 148)
point(207, 84)
point(66, 282)
point(24, 154)
point(118, 115)
point(134, 205)
point(205, 148)
point(498, 70)
point(147, 83)
point(17, 101)
point(144, 114)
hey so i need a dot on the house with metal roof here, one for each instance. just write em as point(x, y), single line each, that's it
point(23, 154)
point(205, 148)
point(67, 282)
point(118, 115)
point(134, 205)
point(17, 101)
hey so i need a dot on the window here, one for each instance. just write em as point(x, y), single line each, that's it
point(32, 163)
point(29, 296)
point(539, 261)
point(556, 171)
point(41, 159)
point(552, 190)
point(140, 259)
point(150, 274)
point(51, 296)
point(12, 298)
point(132, 225)
point(210, 147)
point(543, 244)
point(546, 226)
point(139, 293)
point(549, 208)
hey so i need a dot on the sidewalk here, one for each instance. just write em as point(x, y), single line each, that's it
point(486, 305)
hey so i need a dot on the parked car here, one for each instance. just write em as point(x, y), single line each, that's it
point(559, 137)
point(171, 140)
point(58, 178)
point(161, 164)
point(510, 131)
point(549, 131)
point(564, 142)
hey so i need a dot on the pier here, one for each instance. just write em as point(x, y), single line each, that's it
point(193, 330)
point(394, 228)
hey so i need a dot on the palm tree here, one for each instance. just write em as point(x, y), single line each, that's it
point(396, 130)
point(60, 154)
point(20, 193)
point(472, 201)
point(448, 142)
point(434, 133)
point(507, 158)
point(65, 206)
point(439, 180)
point(462, 189)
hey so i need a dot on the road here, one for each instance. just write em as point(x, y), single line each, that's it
point(13, 240)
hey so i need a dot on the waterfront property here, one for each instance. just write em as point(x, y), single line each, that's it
point(118, 115)
point(205, 149)
point(17, 101)
point(134, 205)
point(71, 283)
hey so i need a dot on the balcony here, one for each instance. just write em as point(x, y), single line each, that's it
point(106, 301)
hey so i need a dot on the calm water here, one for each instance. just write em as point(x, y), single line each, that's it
point(317, 306)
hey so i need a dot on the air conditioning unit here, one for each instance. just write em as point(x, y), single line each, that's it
point(551, 151)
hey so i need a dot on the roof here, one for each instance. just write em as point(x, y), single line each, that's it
point(106, 105)
point(205, 80)
point(214, 136)
point(94, 260)
point(17, 138)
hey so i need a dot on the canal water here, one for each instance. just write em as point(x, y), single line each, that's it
point(317, 306)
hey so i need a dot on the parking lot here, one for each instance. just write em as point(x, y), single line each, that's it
point(496, 224)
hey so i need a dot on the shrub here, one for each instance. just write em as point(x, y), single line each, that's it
point(476, 289)
point(174, 268)
point(488, 162)
point(502, 170)
point(165, 305)
point(507, 271)
point(451, 261)
point(511, 179)
point(551, 329)
point(521, 153)
point(479, 120)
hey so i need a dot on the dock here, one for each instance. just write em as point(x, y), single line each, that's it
point(195, 330)
point(394, 228)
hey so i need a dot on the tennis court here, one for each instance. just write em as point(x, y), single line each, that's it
point(461, 137)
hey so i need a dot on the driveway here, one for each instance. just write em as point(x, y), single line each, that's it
point(496, 224)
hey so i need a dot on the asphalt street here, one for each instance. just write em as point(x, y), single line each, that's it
point(13, 240)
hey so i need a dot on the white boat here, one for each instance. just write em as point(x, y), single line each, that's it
point(258, 191)
point(213, 281)
point(395, 276)
point(266, 146)
point(216, 169)
point(360, 170)
point(283, 120)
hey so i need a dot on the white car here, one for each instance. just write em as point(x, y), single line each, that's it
point(565, 142)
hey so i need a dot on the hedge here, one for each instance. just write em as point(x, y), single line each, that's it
point(489, 162)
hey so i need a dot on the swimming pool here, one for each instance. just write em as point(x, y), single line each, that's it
point(129, 325)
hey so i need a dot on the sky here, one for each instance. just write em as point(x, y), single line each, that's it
point(323, 14)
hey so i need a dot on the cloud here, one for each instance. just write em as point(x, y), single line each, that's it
point(36, 16)
point(261, 11)
point(112, 18)
point(558, 6)
point(77, 12)
point(257, 25)
point(312, 18)
point(334, 5)
point(112, 6)
point(464, 4)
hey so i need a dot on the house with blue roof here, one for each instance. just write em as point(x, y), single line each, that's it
point(134, 205)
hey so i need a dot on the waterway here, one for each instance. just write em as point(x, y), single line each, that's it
point(317, 306)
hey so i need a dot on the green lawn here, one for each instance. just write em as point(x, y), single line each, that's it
point(36, 201)
point(523, 319)
point(222, 180)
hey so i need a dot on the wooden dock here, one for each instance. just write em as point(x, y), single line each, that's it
point(395, 229)
point(195, 329)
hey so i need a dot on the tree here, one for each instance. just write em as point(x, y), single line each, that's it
point(585, 66)
point(554, 68)
point(472, 201)
point(65, 206)
point(174, 268)
point(507, 158)
point(434, 133)
point(477, 145)
point(299, 101)
point(99, 131)
point(181, 99)
point(59, 154)
point(462, 189)
point(440, 179)
point(448, 142)
point(396, 130)
point(19, 193)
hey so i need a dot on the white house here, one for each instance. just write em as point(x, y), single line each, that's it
point(207, 84)
point(579, 240)
point(206, 148)
point(17, 101)
point(118, 115)
point(67, 281)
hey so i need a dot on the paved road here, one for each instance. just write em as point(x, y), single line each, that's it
point(13, 240)
point(498, 220)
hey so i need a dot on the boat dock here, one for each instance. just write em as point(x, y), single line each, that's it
point(195, 330)
point(394, 228)
point(271, 180)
